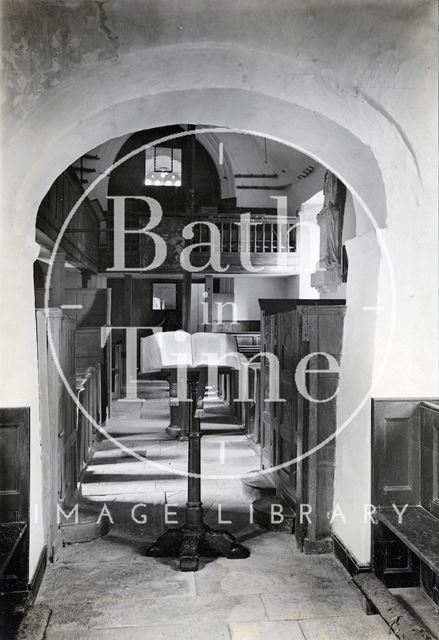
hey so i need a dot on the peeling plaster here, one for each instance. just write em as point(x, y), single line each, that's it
point(105, 28)
point(43, 44)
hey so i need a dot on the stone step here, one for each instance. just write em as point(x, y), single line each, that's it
point(274, 514)
point(264, 482)
point(87, 528)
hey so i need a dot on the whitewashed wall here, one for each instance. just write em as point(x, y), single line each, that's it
point(352, 84)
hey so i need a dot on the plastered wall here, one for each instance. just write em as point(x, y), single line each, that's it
point(352, 84)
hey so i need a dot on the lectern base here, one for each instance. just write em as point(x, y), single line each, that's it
point(189, 544)
point(195, 538)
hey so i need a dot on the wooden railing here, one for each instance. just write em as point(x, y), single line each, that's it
point(264, 234)
point(266, 240)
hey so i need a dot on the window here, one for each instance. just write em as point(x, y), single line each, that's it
point(163, 167)
point(164, 295)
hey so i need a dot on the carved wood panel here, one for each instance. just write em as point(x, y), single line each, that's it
point(396, 452)
point(14, 465)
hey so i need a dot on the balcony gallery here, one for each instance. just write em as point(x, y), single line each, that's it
point(251, 243)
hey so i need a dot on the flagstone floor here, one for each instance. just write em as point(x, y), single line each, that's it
point(108, 590)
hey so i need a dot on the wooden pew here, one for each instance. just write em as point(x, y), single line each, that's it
point(405, 475)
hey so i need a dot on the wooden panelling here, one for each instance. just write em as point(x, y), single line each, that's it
point(293, 427)
point(88, 347)
point(322, 331)
point(14, 498)
point(142, 313)
point(9, 448)
point(80, 240)
point(269, 344)
point(430, 458)
point(94, 303)
point(89, 394)
point(417, 529)
point(393, 562)
point(395, 480)
point(430, 582)
point(67, 425)
point(14, 465)
point(287, 423)
point(405, 474)
point(58, 416)
point(396, 468)
point(94, 314)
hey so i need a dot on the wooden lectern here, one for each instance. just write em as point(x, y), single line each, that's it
point(172, 350)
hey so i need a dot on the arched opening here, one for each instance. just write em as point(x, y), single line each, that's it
point(339, 128)
point(307, 131)
point(285, 170)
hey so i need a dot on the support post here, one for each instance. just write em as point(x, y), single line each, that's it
point(128, 299)
point(179, 414)
point(175, 409)
point(58, 285)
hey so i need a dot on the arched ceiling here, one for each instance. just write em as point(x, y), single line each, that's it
point(108, 151)
point(275, 167)
point(286, 77)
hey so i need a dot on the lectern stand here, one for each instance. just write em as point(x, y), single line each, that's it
point(195, 537)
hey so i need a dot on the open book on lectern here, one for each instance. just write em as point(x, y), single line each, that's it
point(174, 349)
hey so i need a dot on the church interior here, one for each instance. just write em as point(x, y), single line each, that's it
point(294, 494)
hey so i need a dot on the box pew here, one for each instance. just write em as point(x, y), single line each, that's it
point(405, 489)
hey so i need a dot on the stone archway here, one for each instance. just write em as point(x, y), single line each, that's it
point(337, 126)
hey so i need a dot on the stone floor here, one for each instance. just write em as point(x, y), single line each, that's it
point(106, 589)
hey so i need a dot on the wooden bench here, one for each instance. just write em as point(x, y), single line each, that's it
point(418, 530)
